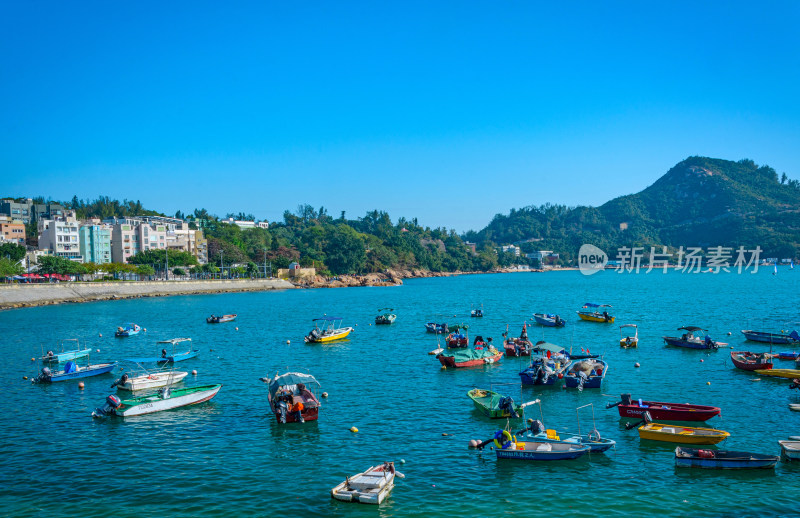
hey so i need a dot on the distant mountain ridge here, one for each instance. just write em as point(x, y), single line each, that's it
point(699, 202)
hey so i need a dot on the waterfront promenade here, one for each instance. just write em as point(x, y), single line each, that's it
point(26, 295)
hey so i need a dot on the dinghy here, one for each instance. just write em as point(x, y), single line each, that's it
point(494, 405)
point(716, 459)
point(629, 407)
point(66, 355)
point(676, 433)
point(166, 398)
point(790, 450)
point(149, 380)
point(370, 487)
point(72, 371)
point(215, 319)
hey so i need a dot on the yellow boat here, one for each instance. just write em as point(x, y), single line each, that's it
point(779, 373)
point(326, 330)
point(681, 434)
point(591, 313)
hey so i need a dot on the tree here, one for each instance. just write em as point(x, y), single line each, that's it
point(145, 269)
point(345, 251)
point(60, 265)
point(157, 256)
point(178, 272)
point(12, 251)
point(9, 267)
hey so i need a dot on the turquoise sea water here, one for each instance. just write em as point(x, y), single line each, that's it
point(229, 457)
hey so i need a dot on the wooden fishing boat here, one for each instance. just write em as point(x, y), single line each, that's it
point(149, 381)
point(689, 341)
point(586, 374)
point(779, 373)
point(629, 341)
point(790, 450)
point(128, 329)
point(166, 398)
point(494, 405)
point(469, 357)
point(214, 319)
point(771, 338)
point(73, 371)
point(591, 313)
point(517, 347)
point(327, 329)
point(549, 320)
point(681, 434)
point(664, 411)
point(289, 398)
point(748, 361)
point(457, 339)
point(66, 355)
point(385, 316)
point(548, 364)
point(370, 487)
point(717, 459)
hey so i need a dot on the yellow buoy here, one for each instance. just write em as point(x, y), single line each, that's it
point(33, 359)
point(708, 383)
point(354, 429)
point(24, 377)
point(444, 367)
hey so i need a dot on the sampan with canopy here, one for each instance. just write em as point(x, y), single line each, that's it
point(290, 400)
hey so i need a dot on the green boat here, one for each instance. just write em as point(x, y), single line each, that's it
point(494, 405)
point(385, 318)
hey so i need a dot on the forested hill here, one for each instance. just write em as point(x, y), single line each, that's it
point(699, 202)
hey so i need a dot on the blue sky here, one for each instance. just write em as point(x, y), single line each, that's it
point(446, 111)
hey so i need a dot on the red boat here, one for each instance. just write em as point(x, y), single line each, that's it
point(748, 361)
point(469, 357)
point(290, 400)
point(517, 347)
point(456, 340)
point(664, 411)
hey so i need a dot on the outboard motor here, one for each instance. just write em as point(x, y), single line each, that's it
point(112, 402)
point(626, 399)
point(121, 381)
point(163, 353)
point(795, 383)
point(535, 426)
point(507, 404)
point(50, 354)
point(43, 376)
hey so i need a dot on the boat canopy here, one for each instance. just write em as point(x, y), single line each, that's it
point(385, 309)
point(328, 319)
point(546, 346)
point(691, 329)
point(174, 341)
point(593, 305)
point(290, 378)
point(628, 325)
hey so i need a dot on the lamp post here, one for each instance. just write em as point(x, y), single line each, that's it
point(221, 266)
point(265, 262)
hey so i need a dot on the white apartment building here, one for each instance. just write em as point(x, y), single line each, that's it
point(61, 236)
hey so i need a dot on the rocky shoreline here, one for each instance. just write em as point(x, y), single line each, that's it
point(388, 278)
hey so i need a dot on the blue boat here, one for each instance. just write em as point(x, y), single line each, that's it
point(128, 329)
point(544, 370)
point(71, 354)
point(716, 459)
point(688, 341)
point(535, 431)
point(433, 327)
point(549, 320)
point(72, 371)
point(587, 373)
point(167, 356)
point(771, 338)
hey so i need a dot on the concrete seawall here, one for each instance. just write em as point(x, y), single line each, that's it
point(26, 295)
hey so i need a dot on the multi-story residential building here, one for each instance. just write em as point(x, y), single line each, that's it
point(12, 230)
point(202, 247)
point(124, 242)
point(60, 236)
point(152, 237)
point(95, 243)
point(246, 224)
point(511, 249)
point(27, 211)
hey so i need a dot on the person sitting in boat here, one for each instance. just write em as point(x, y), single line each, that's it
point(558, 321)
point(605, 316)
point(478, 341)
point(306, 395)
point(708, 341)
point(524, 334)
point(163, 353)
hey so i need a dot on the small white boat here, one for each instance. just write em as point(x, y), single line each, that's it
point(149, 381)
point(166, 398)
point(794, 406)
point(369, 487)
point(790, 450)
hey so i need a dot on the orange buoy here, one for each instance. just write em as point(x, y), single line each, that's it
point(33, 359)
point(80, 385)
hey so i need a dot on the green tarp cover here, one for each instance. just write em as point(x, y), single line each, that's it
point(463, 355)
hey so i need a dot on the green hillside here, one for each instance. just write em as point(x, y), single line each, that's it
point(700, 202)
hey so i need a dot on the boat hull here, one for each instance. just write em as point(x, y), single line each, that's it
point(691, 458)
point(221, 320)
point(595, 446)
point(339, 335)
point(592, 317)
point(151, 381)
point(543, 320)
point(450, 361)
point(669, 411)
point(779, 373)
point(594, 380)
point(66, 356)
point(385, 319)
point(768, 338)
point(681, 434)
point(486, 402)
point(790, 450)
point(86, 372)
point(154, 403)
point(748, 361)
point(538, 451)
point(369, 487)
